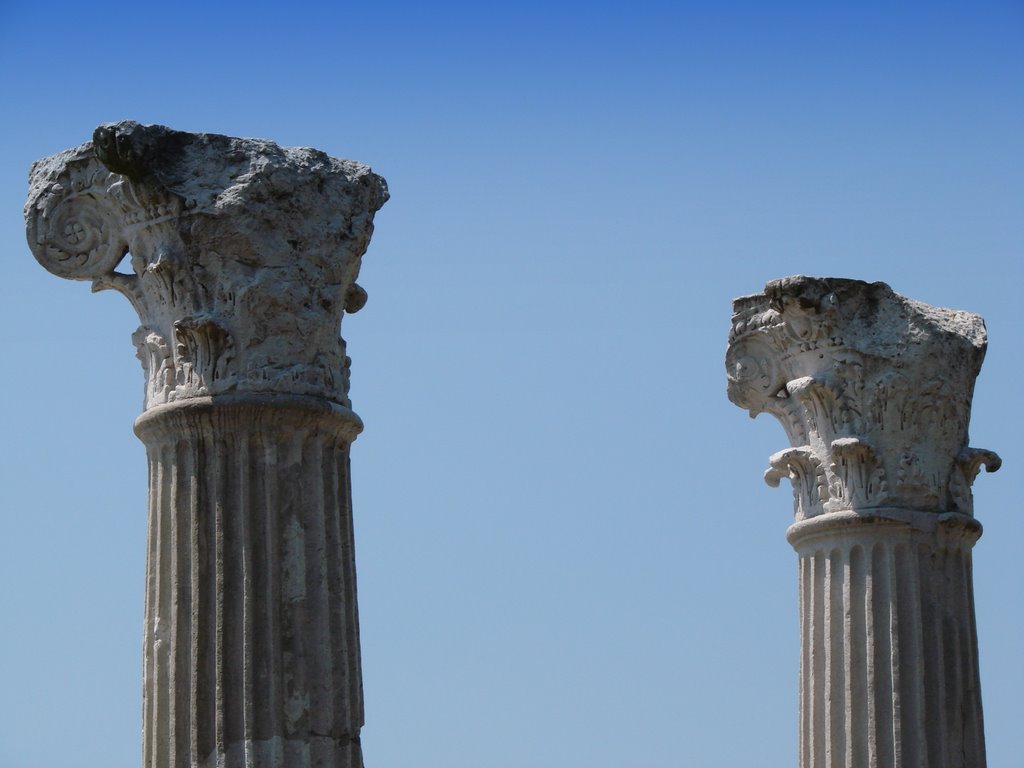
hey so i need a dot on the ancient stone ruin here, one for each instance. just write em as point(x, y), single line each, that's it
point(874, 392)
point(240, 258)
point(243, 259)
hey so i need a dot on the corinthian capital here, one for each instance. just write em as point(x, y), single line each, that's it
point(873, 389)
point(243, 254)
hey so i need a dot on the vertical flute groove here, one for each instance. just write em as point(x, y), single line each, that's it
point(884, 691)
point(171, 554)
point(179, 623)
point(818, 704)
point(352, 611)
point(217, 584)
point(198, 602)
point(148, 661)
point(246, 555)
point(871, 635)
point(275, 676)
point(908, 637)
point(952, 644)
point(806, 704)
point(933, 598)
point(835, 680)
point(186, 532)
point(857, 645)
point(339, 693)
point(974, 738)
point(231, 596)
point(320, 683)
point(846, 722)
point(164, 585)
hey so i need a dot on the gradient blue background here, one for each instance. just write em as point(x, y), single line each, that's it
point(567, 556)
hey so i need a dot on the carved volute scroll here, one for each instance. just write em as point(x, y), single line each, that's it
point(243, 254)
point(873, 389)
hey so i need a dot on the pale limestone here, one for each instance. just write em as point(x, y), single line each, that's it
point(243, 258)
point(874, 392)
point(244, 254)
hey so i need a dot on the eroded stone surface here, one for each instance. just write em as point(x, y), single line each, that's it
point(244, 254)
point(244, 257)
point(874, 392)
point(873, 389)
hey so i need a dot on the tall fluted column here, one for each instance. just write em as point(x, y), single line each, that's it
point(243, 257)
point(874, 392)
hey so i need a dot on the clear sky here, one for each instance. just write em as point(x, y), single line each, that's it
point(567, 557)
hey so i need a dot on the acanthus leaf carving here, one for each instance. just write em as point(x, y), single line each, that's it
point(801, 466)
point(157, 364)
point(204, 354)
point(857, 477)
point(876, 385)
point(968, 464)
point(244, 254)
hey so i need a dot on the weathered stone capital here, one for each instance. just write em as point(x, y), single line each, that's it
point(873, 389)
point(244, 254)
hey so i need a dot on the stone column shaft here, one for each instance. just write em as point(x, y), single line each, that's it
point(888, 662)
point(874, 393)
point(251, 631)
point(242, 261)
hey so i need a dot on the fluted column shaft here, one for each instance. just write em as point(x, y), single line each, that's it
point(251, 628)
point(889, 656)
point(874, 393)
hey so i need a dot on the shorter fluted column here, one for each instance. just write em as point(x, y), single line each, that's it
point(889, 661)
point(874, 393)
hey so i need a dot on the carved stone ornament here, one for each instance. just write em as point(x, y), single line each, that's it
point(243, 255)
point(873, 389)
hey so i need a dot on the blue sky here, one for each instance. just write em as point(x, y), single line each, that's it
point(567, 556)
